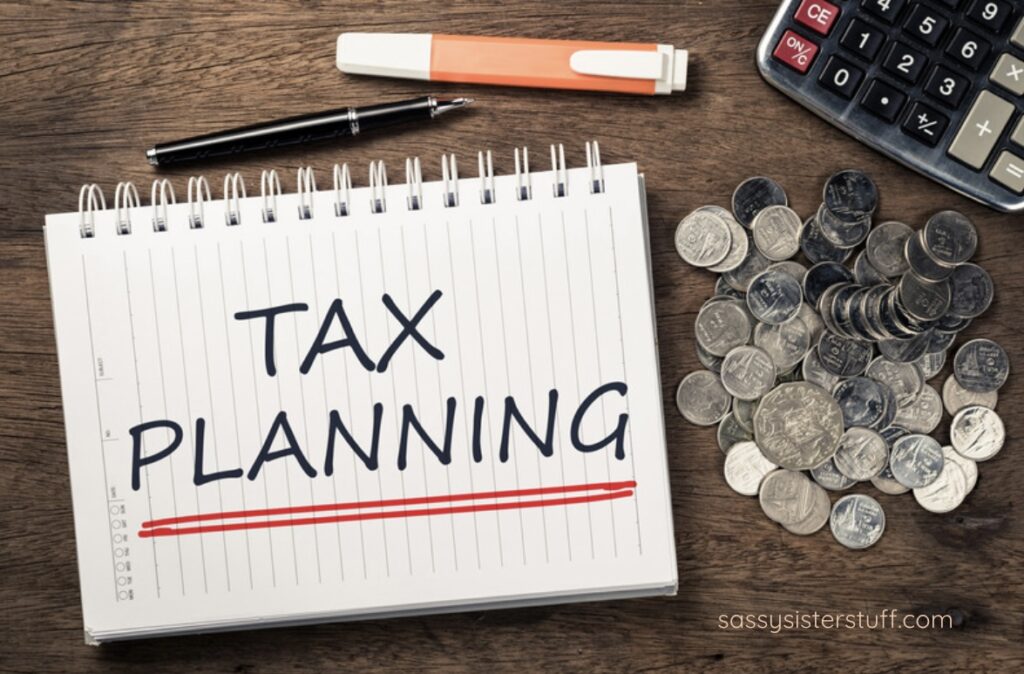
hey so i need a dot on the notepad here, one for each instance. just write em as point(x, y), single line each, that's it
point(361, 401)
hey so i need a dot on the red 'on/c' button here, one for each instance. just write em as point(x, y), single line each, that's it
point(796, 51)
point(817, 15)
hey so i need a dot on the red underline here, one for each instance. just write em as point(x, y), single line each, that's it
point(165, 526)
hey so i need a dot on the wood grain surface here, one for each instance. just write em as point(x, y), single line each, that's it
point(85, 87)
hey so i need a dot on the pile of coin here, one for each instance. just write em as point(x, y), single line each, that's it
point(803, 403)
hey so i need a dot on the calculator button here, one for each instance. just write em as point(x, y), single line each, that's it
point(951, 4)
point(862, 39)
point(1018, 133)
point(904, 62)
point(981, 129)
point(817, 15)
point(795, 51)
point(946, 86)
point(841, 77)
point(1018, 34)
point(925, 24)
point(968, 48)
point(992, 14)
point(886, 10)
point(1009, 172)
point(925, 123)
point(883, 100)
point(1009, 74)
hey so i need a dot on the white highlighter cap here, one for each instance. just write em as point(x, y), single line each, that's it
point(405, 55)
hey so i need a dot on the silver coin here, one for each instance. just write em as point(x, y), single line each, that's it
point(857, 521)
point(885, 246)
point(722, 287)
point(709, 361)
point(753, 264)
point(981, 365)
point(755, 194)
point(916, 460)
point(939, 342)
point(950, 237)
point(744, 413)
point(923, 300)
point(923, 264)
point(862, 454)
point(787, 496)
point(930, 364)
point(923, 413)
point(812, 320)
point(748, 372)
point(887, 484)
point(904, 379)
point(971, 291)
point(951, 323)
point(904, 350)
point(791, 267)
point(829, 477)
point(861, 400)
point(730, 432)
point(850, 195)
point(977, 433)
point(892, 433)
point(774, 297)
point(738, 245)
point(946, 493)
point(842, 356)
point(814, 373)
point(969, 467)
point(702, 239)
point(817, 248)
point(840, 233)
point(817, 518)
point(701, 398)
point(722, 326)
point(798, 425)
point(955, 397)
point(787, 343)
point(821, 277)
point(865, 273)
point(776, 232)
point(745, 468)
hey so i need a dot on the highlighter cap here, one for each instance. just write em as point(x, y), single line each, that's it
point(404, 55)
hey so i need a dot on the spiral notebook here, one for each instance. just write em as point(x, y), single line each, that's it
point(356, 402)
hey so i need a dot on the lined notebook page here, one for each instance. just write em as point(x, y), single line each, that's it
point(447, 314)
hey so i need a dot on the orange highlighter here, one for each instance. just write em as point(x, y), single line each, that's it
point(622, 67)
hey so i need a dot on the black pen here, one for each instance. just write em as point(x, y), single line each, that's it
point(303, 129)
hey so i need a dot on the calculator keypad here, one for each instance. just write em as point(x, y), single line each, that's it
point(936, 84)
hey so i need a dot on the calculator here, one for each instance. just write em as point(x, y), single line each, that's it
point(937, 85)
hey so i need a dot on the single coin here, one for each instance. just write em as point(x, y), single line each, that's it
point(722, 287)
point(862, 401)
point(798, 425)
point(969, 467)
point(812, 320)
point(923, 413)
point(702, 239)
point(842, 356)
point(814, 373)
point(817, 248)
point(946, 493)
point(923, 264)
point(821, 277)
point(739, 242)
point(930, 364)
point(885, 246)
point(730, 432)
point(916, 460)
point(753, 264)
point(865, 273)
point(755, 194)
point(857, 521)
point(955, 397)
point(701, 398)
point(786, 496)
point(841, 233)
point(722, 326)
point(950, 237)
point(904, 379)
point(745, 468)
point(923, 300)
point(887, 484)
point(776, 232)
point(787, 343)
point(829, 477)
point(709, 361)
point(971, 291)
point(850, 195)
point(862, 454)
point(774, 297)
point(977, 433)
point(744, 413)
point(817, 518)
point(981, 365)
point(748, 372)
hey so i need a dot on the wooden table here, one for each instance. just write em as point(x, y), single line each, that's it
point(86, 87)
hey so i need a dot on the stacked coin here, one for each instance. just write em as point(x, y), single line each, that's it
point(803, 403)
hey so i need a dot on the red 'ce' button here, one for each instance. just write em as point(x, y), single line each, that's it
point(796, 51)
point(817, 15)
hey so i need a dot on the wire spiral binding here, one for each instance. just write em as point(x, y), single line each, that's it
point(126, 196)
